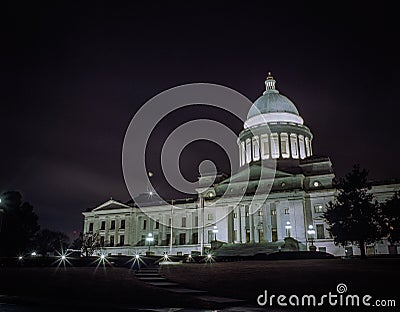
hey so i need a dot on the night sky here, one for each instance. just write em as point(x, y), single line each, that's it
point(73, 76)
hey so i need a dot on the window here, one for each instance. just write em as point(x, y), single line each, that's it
point(210, 216)
point(112, 227)
point(103, 225)
point(101, 241)
point(112, 240)
point(256, 148)
point(122, 224)
point(243, 153)
point(234, 215)
point(274, 234)
point(318, 208)
point(274, 145)
point(157, 225)
point(248, 151)
point(195, 238)
point(273, 212)
point(320, 231)
point(260, 212)
point(286, 211)
point(184, 222)
point(302, 148)
point(294, 146)
point(144, 224)
point(196, 221)
point(235, 235)
point(121, 240)
point(247, 214)
point(168, 239)
point(169, 222)
point(285, 145)
point(182, 239)
point(308, 146)
point(264, 146)
point(210, 236)
point(90, 227)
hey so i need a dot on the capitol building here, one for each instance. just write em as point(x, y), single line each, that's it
point(231, 211)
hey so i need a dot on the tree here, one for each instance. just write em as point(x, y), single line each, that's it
point(353, 217)
point(19, 224)
point(50, 241)
point(90, 243)
point(391, 218)
point(77, 243)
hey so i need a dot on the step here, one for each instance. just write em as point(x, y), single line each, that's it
point(145, 279)
point(186, 291)
point(162, 284)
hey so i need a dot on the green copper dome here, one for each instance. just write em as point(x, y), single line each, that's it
point(272, 101)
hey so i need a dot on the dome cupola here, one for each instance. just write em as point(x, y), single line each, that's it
point(274, 129)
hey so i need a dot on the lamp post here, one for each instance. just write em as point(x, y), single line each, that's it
point(288, 227)
point(215, 231)
point(311, 233)
point(149, 239)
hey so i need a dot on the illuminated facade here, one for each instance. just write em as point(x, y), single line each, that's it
point(301, 188)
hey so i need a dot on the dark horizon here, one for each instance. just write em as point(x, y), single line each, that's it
point(74, 75)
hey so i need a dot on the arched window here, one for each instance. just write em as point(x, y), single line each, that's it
point(256, 148)
point(308, 147)
point(285, 145)
point(274, 145)
point(302, 147)
point(264, 146)
point(243, 153)
point(248, 151)
point(294, 146)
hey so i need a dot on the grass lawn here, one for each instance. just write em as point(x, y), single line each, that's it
point(248, 279)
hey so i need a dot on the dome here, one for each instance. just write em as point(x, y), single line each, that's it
point(272, 101)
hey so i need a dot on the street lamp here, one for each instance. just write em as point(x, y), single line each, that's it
point(215, 231)
point(288, 227)
point(149, 239)
point(311, 233)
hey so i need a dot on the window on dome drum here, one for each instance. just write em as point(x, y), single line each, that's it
point(308, 147)
point(319, 208)
point(286, 211)
point(196, 221)
point(90, 227)
point(248, 151)
point(294, 146)
point(144, 224)
point(274, 145)
point(320, 231)
point(122, 225)
point(112, 227)
point(264, 146)
point(121, 240)
point(103, 225)
point(157, 225)
point(302, 148)
point(285, 145)
point(243, 153)
point(183, 222)
point(256, 148)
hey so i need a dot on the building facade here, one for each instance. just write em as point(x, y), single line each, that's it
point(298, 185)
